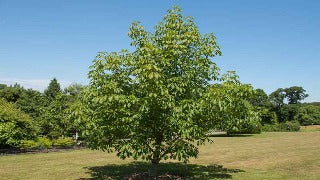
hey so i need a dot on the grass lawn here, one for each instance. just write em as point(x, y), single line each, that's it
point(285, 155)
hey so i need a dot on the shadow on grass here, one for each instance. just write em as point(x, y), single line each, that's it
point(143, 170)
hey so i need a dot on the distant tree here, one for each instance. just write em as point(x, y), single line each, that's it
point(15, 125)
point(308, 115)
point(285, 102)
point(277, 97)
point(268, 116)
point(53, 123)
point(53, 89)
point(152, 103)
point(314, 103)
point(287, 112)
point(2, 86)
point(259, 98)
point(74, 91)
point(12, 93)
point(31, 102)
point(295, 94)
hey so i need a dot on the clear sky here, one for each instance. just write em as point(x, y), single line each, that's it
point(269, 43)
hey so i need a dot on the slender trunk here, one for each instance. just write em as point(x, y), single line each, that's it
point(153, 171)
point(157, 152)
point(155, 160)
point(156, 155)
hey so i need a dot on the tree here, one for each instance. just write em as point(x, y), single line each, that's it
point(152, 103)
point(295, 94)
point(52, 120)
point(259, 98)
point(15, 125)
point(31, 102)
point(308, 115)
point(12, 93)
point(2, 86)
point(228, 108)
point(53, 89)
point(277, 97)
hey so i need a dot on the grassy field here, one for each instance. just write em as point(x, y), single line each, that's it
point(286, 155)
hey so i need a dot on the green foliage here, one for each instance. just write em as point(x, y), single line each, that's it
point(2, 86)
point(32, 102)
point(53, 89)
point(74, 89)
point(295, 94)
point(227, 107)
point(268, 116)
point(284, 102)
point(259, 98)
point(313, 103)
point(308, 115)
point(282, 127)
point(15, 125)
point(287, 112)
point(29, 144)
point(53, 120)
point(277, 97)
point(63, 142)
point(44, 143)
point(11, 93)
point(152, 103)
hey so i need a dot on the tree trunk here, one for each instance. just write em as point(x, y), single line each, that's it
point(156, 153)
point(155, 160)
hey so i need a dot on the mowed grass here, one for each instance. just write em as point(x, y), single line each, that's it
point(310, 128)
point(283, 155)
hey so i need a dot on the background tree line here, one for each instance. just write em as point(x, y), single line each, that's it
point(28, 114)
point(284, 106)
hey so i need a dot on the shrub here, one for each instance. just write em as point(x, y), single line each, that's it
point(44, 143)
point(308, 115)
point(15, 125)
point(290, 126)
point(252, 129)
point(29, 144)
point(63, 142)
point(39, 143)
point(282, 127)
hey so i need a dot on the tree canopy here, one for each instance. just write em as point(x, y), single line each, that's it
point(15, 125)
point(53, 89)
point(153, 103)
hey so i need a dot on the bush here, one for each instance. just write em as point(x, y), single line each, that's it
point(251, 128)
point(44, 143)
point(29, 144)
point(40, 143)
point(282, 127)
point(15, 125)
point(290, 126)
point(63, 142)
point(309, 115)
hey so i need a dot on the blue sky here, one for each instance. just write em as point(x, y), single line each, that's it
point(270, 44)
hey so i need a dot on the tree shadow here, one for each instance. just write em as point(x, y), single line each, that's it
point(177, 171)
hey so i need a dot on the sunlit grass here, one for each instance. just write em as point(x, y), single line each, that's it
point(310, 128)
